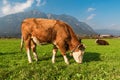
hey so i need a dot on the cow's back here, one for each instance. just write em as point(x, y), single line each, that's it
point(38, 23)
point(45, 29)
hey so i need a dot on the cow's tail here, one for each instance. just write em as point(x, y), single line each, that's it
point(22, 42)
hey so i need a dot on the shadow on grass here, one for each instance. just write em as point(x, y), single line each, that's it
point(91, 56)
point(8, 53)
point(88, 57)
point(58, 58)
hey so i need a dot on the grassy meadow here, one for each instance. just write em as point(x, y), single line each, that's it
point(99, 62)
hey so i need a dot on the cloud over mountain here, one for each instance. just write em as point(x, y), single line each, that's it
point(17, 7)
point(91, 16)
point(90, 9)
point(8, 7)
point(40, 2)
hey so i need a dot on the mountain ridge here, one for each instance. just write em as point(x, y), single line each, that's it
point(10, 24)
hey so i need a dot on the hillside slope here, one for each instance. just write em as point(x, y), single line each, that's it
point(10, 25)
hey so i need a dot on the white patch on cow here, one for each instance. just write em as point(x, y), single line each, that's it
point(53, 57)
point(66, 59)
point(55, 44)
point(78, 56)
point(35, 40)
point(29, 57)
point(96, 40)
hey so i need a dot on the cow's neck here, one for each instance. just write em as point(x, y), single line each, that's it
point(74, 41)
point(73, 44)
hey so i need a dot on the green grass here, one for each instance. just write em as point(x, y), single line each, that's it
point(99, 63)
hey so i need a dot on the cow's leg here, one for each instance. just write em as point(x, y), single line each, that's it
point(27, 45)
point(33, 47)
point(55, 49)
point(62, 48)
point(65, 59)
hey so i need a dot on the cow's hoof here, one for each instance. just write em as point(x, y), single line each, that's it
point(67, 63)
point(53, 62)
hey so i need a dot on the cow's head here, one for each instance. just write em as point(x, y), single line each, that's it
point(78, 53)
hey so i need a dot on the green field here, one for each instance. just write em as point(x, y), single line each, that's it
point(99, 63)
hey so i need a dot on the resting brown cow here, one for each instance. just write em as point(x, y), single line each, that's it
point(42, 31)
point(101, 42)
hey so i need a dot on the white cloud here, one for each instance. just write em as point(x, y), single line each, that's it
point(91, 17)
point(9, 7)
point(113, 25)
point(16, 7)
point(40, 2)
point(5, 2)
point(91, 9)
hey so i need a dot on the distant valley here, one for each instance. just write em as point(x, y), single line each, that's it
point(107, 31)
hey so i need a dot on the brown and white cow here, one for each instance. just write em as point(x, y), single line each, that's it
point(42, 31)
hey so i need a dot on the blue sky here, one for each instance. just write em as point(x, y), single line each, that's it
point(99, 14)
